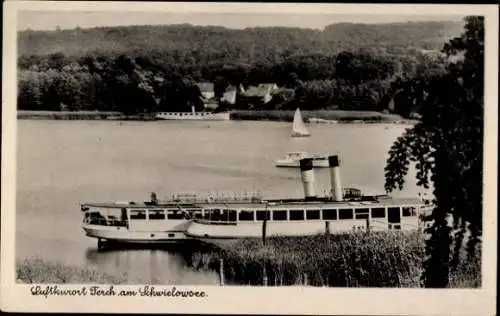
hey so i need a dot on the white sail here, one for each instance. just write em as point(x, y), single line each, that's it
point(299, 129)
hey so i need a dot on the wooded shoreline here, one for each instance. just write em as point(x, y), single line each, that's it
point(139, 69)
point(320, 116)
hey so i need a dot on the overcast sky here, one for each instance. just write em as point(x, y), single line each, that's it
point(49, 20)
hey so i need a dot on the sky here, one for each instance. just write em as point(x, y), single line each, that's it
point(49, 20)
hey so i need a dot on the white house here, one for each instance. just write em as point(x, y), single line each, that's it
point(263, 92)
point(229, 95)
point(206, 89)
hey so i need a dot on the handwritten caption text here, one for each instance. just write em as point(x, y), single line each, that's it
point(111, 290)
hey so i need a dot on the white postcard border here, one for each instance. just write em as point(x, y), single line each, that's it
point(249, 300)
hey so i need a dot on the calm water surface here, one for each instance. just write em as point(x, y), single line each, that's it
point(63, 163)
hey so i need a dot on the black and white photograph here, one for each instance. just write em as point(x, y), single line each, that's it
point(233, 154)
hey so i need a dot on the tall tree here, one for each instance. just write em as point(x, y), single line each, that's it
point(447, 147)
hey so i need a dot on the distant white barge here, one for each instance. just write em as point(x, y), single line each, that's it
point(194, 116)
point(321, 121)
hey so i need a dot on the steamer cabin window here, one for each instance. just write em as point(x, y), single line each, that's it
point(261, 215)
point(394, 215)
point(280, 216)
point(207, 214)
point(362, 213)
point(312, 214)
point(197, 214)
point(246, 215)
point(175, 214)
point(330, 214)
point(156, 214)
point(137, 214)
point(296, 215)
point(346, 213)
point(221, 215)
point(216, 215)
point(378, 212)
point(409, 211)
point(96, 218)
point(231, 215)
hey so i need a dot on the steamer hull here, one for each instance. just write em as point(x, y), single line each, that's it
point(122, 235)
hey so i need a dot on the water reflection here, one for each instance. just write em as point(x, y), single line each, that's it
point(152, 265)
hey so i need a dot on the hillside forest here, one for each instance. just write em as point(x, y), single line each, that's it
point(141, 69)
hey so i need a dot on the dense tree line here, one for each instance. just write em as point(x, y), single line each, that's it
point(115, 85)
point(161, 75)
point(346, 81)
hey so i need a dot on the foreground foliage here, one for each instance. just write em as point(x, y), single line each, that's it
point(37, 270)
point(385, 259)
point(447, 148)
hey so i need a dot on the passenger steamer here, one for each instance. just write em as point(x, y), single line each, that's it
point(227, 219)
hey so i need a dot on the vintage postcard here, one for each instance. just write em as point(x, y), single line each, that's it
point(249, 158)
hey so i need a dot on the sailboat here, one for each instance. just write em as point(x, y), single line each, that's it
point(299, 129)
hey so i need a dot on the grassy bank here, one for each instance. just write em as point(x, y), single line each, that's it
point(351, 260)
point(36, 270)
point(330, 115)
point(81, 115)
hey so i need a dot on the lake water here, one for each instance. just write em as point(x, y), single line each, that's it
point(63, 163)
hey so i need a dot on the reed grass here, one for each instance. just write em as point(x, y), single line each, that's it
point(37, 270)
point(468, 272)
point(385, 259)
point(377, 259)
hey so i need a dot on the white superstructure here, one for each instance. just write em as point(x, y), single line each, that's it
point(292, 160)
